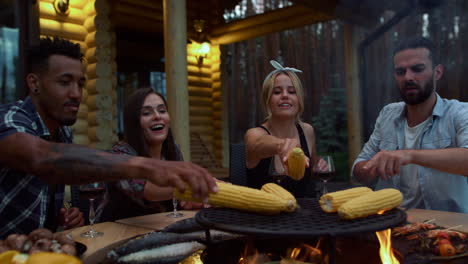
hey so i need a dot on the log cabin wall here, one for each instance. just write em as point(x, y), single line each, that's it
point(205, 103)
point(88, 24)
point(215, 57)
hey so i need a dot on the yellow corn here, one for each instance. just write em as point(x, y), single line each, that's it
point(371, 203)
point(279, 191)
point(242, 198)
point(330, 202)
point(296, 164)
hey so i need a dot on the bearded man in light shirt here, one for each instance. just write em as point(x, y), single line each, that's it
point(419, 146)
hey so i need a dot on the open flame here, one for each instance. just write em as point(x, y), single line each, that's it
point(386, 252)
point(301, 254)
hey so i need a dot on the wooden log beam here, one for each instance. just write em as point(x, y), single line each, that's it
point(200, 101)
point(201, 111)
point(353, 93)
point(81, 139)
point(198, 71)
point(273, 21)
point(195, 128)
point(199, 81)
point(83, 110)
point(129, 22)
point(89, 24)
point(80, 126)
point(100, 134)
point(139, 11)
point(99, 102)
point(199, 91)
point(175, 50)
point(99, 118)
point(63, 29)
point(155, 5)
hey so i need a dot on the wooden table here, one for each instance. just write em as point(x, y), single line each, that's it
point(442, 218)
point(116, 233)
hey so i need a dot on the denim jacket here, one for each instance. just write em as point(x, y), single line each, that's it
point(448, 128)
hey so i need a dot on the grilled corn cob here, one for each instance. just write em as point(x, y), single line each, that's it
point(330, 202)
point(370, 203)
point(242, 198)
point(296, 164)
point(279, 191)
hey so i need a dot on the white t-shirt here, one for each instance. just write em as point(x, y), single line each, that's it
point(409, 184)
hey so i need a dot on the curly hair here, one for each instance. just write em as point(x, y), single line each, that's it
point(38, 55)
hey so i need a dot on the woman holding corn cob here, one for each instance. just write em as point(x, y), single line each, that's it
point(282, 100)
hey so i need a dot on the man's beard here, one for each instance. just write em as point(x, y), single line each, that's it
point(67, 121)
point(422, 93)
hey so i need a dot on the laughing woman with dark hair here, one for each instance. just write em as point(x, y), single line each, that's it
point(146, 133)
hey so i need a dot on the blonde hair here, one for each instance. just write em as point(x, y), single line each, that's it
point(267, 90)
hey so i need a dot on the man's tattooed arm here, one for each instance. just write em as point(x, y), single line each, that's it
point(62, 163)
point(74, 164)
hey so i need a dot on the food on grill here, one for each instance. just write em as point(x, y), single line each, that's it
point(52, 258)
point(330, 202)
point(279, 191)
point(242, 198)
point(433, 241)
point(16, 257)
point(411, 228)
point(156, 247)
point(370, 203)
point(8, 255)
point(296, 164)
point(446, 248)
point(38, 241)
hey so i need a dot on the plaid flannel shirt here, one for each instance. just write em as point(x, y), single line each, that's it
point(24, 198)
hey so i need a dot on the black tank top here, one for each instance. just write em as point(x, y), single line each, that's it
point(305, 187)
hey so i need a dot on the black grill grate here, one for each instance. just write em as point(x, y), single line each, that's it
point(309, 221)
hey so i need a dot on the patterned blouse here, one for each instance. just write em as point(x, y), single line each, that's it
point(125, 198)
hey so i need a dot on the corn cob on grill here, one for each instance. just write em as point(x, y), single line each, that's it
point(330, 202)
point(296, 164)
point(279, 191)
point(371, 203)
point(242, 198)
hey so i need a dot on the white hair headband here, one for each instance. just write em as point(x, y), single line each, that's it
point(279, 67)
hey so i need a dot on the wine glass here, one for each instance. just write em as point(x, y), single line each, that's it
point(175, 213)
point(276, 169)
point(91, 192)
point(324, 169)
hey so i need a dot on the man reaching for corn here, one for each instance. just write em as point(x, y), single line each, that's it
point(419, 146)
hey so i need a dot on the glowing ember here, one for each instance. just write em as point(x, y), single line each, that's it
point(386, 252)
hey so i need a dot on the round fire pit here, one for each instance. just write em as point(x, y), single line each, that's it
point(308, 221)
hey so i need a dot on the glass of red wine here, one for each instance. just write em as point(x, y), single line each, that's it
point(276, 169)
point(324, 169)
point(91, 192)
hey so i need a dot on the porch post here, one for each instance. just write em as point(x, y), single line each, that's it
point(353, 94)
point(175, 52)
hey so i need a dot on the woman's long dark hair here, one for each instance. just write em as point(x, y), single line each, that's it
point(132, 129)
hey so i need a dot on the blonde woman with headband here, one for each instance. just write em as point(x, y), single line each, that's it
point(268, 145)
